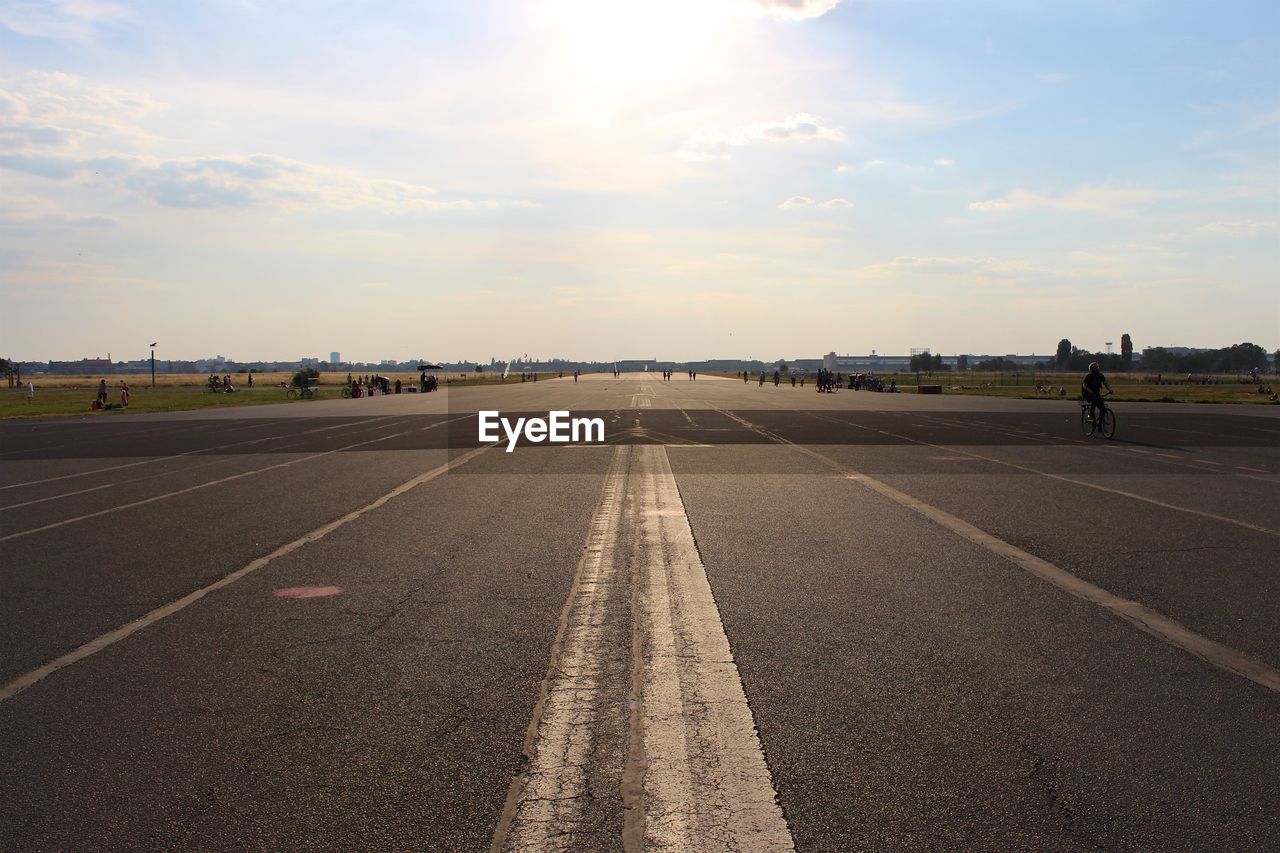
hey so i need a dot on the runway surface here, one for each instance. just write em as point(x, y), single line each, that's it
point(752, 618)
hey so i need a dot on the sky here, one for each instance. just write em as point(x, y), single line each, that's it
point(603, 179)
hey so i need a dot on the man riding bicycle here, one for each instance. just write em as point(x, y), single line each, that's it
point(1091, 389)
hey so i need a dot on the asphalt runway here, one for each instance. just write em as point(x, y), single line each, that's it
point(751, 618)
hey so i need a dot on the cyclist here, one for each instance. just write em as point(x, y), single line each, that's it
point(1091, 389)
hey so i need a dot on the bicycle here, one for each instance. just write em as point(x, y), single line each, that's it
point(307, 392)
point(1104, 424)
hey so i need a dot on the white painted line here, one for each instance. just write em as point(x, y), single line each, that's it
point(22, 682)
point(695, 777)
point(545, 804)
point(1139, 615)
point(1202, 513)
point(1142, 617)
point(189, 453)
point(68, 494)
point(705, 783)
point(1109, 490)
point(185, 470)
point(205, 485)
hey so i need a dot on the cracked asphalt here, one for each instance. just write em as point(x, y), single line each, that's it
point(910, 688)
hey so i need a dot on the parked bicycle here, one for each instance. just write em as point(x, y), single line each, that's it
point(308, 391)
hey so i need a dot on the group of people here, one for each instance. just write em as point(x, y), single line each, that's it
point(100, 402)
point(222, 384)
point(367, 386)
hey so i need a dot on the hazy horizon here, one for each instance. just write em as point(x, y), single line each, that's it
point(723, 179)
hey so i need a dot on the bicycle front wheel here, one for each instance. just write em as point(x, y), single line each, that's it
point(1087, 426)
point(1108, 423)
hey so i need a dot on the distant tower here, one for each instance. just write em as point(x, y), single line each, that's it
point(335, 358)
point(1108, 347)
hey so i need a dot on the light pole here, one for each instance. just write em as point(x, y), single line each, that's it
point(153, 364)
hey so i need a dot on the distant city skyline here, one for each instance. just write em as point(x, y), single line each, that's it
point(1047, 353)
point(713, 179)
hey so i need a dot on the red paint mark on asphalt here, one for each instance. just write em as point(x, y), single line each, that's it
point(1254, 470)
point(307, 591)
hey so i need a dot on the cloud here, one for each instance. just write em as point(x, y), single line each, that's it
point(792, 10)
point(845, 168)
point(944, 162)
point(64, 20)
point(1241, 227)
point(711, 142)
point(45, 111)
point(50, 125)
point(265, 180)
point(1106, 200)
point(959, 268)
point(993, 204)
point(798, 201)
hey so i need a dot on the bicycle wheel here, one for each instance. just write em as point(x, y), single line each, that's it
point(1087, 426)
point(292, 393)
point(346, 393)
point(1108, 423)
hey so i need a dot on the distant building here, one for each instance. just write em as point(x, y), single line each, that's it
point(335, 357)
point(876, 362)
point(872, 362)
point(637, 365)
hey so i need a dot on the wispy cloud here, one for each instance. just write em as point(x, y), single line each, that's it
point(1053, 77)
point(44, 111)
point(868, 166)
point(960, 268)
point(60, 127)
point(711, 142)
point(1106, 200)
point(792, 10)
point(796, 202)
point(944, 162)
point(64, 20)
point(1241, 227)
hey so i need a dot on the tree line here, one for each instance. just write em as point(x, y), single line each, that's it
point(1238, 358)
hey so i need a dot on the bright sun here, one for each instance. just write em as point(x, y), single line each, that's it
point(615, 46)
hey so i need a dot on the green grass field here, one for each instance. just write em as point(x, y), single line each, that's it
point(73, 395)
point(1129, 387)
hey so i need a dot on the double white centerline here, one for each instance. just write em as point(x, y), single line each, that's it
point(642, 705)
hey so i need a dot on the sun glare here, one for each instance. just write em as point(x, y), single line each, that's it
point(620, 46)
